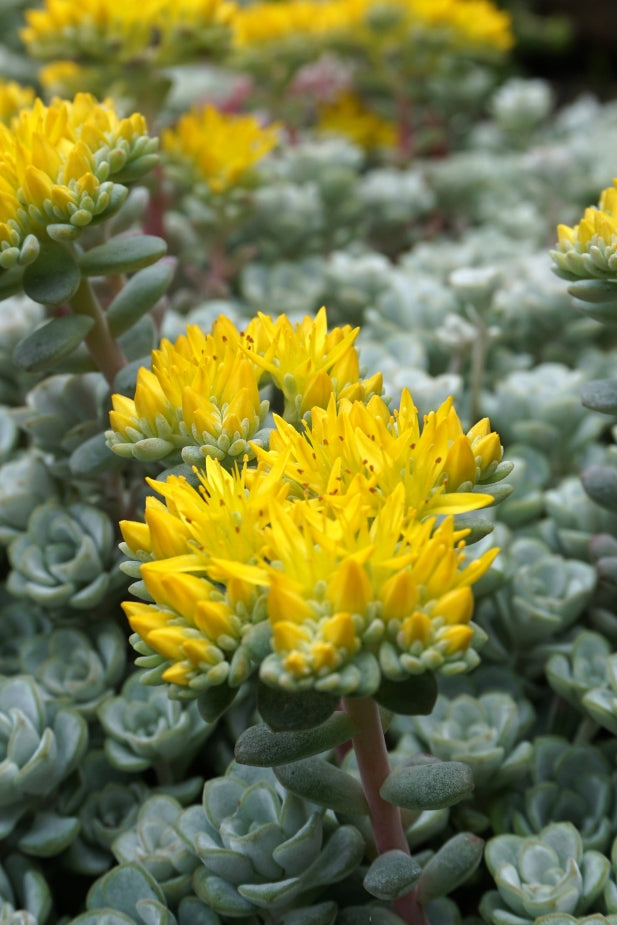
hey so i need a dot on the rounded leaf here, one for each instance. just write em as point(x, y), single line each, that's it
point(392, 875)
point(260, 746)
point(139, 295)
point(450, 866)
point(53, 277)
point(289, 710)
point(122, 255)
point(428, 786)
point(600, 483)
point(324, 784)
point(600, 395)
point(415, 696)
point(51, 343)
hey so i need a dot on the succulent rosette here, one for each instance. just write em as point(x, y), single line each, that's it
point(545, 873)
point(39, 749)
point(262, 847)
point(66, 559)
point(485, 732)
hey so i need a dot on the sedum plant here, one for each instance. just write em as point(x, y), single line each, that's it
point(40, 749)
point(542, 874)
point(484, 733)
point(313, 554)
point(570, 783)
point(261, 848)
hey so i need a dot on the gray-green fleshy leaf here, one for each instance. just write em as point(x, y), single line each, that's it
point(452, 865)
point(294, 710)
point(53, 277)
point(594, 291)
point(122, 888)
point(413, 696)
point(548, 872)
point(367, 915)
point(93, 457)
point(315, 914)
point(221, 895)
point(24, 885)
point(600, 395)
point(122, 255)
point(324, 784)
point(259, 745)
point(139, 295)
point(48, 835)
point(428, 786)
point(11, 281)
point(600, 483)
point(214, 701)
point(51, 343)
point(391, 875)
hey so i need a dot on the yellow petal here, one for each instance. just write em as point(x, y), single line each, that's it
point(350, 588)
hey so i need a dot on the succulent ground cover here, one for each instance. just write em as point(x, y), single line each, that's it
point(308, 480)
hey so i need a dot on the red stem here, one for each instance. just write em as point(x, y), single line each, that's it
point(374, 766)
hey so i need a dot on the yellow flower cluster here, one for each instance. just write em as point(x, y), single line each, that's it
point(349, 116)
point(202, 397)
point(322, 562)
point(216, 148)
point(13, 97)
point(465, 23)
point(127, 31)
point(63, 166)
point(589, 249)
point(117, 33)
point(268, 21)
point(470, 23)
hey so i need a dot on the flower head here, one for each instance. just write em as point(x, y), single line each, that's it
point(202, 396)
point(321, 563)
point(151, 32)
point(217, 148)
point(309, 364)
point(355, 597)
point(201, 399)
point(467, 25)
point(348, 115)
point(64, 166)
point(438, 465)
point(589, 249)
point(195, 622)
point(13, 97)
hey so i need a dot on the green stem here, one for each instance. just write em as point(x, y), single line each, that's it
point(103, 348)
point(374, 766)
point(586, 731)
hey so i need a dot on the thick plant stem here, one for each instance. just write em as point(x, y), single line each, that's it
point(103, 349)
point(374, 766)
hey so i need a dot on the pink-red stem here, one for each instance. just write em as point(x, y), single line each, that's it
point(374, 766)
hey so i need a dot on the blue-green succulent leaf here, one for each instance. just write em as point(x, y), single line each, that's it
point(324, 784)
point(259, 745)
point(53, 277)
point(49, 834)
point(51, 343)
point(221, 895)
point(453, 863)
point(428, 786)
point(294, 710)
point(315, 914)
point(391, 875)
point(139, 295)
point(122, 255)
